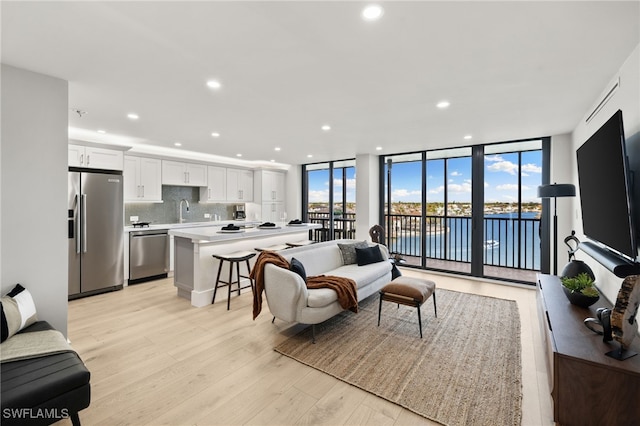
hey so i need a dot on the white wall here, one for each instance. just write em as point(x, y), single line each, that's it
point(367, 194)
point(34, 190)
point(627, 99)
point(562, 165)
point(293, 205)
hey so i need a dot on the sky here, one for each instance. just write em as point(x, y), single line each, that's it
point(500, 180)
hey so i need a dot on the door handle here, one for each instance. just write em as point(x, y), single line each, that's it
point(83, 210)
point(88, 158)
point(81, 158)
point(142, 191)
point(77, 223)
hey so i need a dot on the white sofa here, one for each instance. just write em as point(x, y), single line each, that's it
point(290, 300)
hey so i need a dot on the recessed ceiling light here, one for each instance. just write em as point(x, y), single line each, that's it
point(372, 12)
point(378, 148)
point(326, 127)
point(309, 155)
point(215, 135)
point(238, 155)
point(277, 148)
point(102, 131)
point(177, 144)
point(214, 84)
point(133, 116)
point(443, 104)
point(467, 137)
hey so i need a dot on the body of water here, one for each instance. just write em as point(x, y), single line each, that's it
point(508, 241)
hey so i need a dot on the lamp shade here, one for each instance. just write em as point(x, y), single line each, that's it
point(556, 190)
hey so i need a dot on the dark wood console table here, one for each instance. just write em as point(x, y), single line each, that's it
point(588, 387)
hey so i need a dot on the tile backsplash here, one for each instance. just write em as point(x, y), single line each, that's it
point(167, 212)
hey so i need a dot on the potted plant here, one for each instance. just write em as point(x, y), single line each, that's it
point(580, 290)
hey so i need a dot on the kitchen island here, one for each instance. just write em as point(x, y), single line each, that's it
point(194, 267)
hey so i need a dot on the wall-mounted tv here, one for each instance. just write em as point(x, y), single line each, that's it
point(605, 189)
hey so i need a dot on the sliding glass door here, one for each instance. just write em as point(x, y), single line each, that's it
point(512, 211)
point(428, 208)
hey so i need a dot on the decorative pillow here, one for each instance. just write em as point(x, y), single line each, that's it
point(298, 268)
point(18, 311)
point(348, 251)
point(368, 255)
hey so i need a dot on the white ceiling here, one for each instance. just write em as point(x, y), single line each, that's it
point(511, 70)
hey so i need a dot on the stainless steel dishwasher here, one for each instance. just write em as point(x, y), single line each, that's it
point(148, 255)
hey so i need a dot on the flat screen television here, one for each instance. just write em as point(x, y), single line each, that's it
point(605, 189)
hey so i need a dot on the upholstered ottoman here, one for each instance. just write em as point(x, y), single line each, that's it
point(410, 292)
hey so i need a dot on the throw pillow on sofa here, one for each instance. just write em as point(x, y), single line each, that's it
point(348, 251)
point(298, 268)
point(18, 311)
point(366, 256)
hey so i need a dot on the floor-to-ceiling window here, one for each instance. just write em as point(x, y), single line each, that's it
point(429, 212)
point(344, 199)
point(512, 211)
point(329, 198)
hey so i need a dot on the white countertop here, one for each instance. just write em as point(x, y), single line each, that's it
point(219, 223)
point(213, 234)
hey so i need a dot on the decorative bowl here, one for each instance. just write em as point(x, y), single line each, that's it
point(579, 299)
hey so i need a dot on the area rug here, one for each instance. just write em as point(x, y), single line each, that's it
point(466, 370)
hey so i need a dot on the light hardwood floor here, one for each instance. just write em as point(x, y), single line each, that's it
point(156, 360)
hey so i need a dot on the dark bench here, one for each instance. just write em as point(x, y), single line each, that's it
point(44, 390)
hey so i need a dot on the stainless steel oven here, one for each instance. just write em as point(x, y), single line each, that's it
point(148, 255)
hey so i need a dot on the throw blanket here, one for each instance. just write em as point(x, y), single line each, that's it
point(345, 287)
point(33, 345)
point(257, 274)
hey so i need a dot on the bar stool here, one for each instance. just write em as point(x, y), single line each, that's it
point(301, 243)
point(275, 247)
point(234, 259)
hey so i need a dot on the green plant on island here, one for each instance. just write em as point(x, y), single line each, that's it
point(582, 283)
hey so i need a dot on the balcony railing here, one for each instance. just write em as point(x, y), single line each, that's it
point(508, 242)
point(344, 225)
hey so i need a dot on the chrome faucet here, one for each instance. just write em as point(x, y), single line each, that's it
point(180, 209)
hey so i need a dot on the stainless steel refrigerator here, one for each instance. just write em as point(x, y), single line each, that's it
point(95, 229)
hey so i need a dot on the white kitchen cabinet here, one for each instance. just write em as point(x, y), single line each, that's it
point(95, 158)
point(271, 184)
point(76, 155)
point(216, 189)
point(183, 174)
point(142, 179)
point(239, 185)
point(272, 212)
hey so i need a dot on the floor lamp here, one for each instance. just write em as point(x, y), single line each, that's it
point(554, 191)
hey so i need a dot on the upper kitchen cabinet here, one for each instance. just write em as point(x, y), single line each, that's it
point(142, 179)
point(270, 185)
point(183, 174)
point(239, 185)
point(272, 211)
point(216, 189)
point(95, 158)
